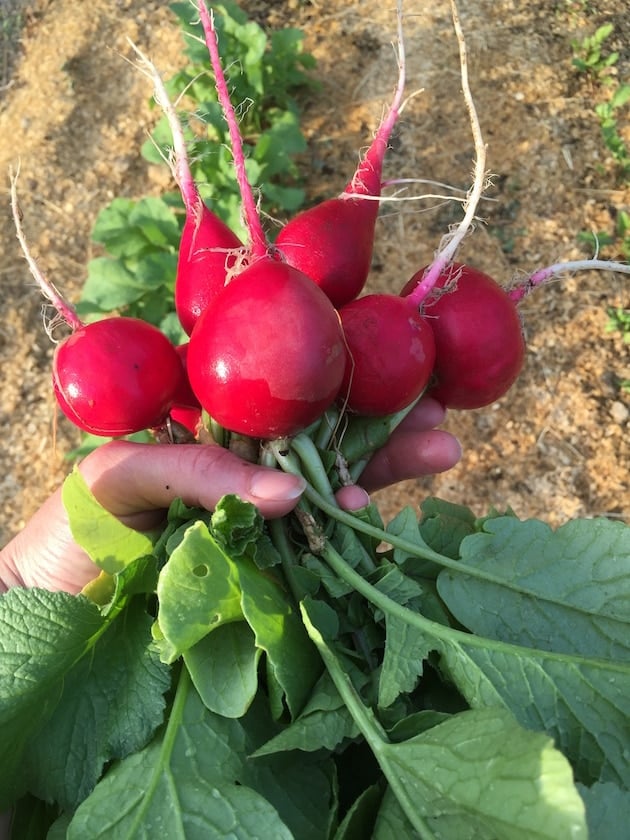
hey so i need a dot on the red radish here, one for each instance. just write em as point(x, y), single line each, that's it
point(186, 416)
point(480, 349)
point(391, 352)
point(116, 376)
point(184, 395)
point(267, 356)
point(208, 248)
point(332, 242)
point(185, 409)
point(207, 253)
point(112, 377)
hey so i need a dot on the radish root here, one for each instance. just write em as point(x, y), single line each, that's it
point(453, 240)
point(65, 312)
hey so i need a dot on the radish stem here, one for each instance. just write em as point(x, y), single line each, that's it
point(544, 275)
point(362, 182)
point(258, 241)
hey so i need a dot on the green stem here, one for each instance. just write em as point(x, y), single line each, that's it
point(168, 743)
point(314, 469)
point(368, 725)
point(327, 427)
point(371, 436)
point(442, 632)
point(278, 531)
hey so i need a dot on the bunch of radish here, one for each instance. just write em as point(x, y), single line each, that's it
point(279, 333)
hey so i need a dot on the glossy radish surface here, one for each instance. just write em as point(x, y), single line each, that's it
point(116, 376)
point(391, 352)
point(332, 243)
point(267, 356)
point(206, 254)
point(480, 349)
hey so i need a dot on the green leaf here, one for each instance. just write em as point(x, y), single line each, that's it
point(583, 703)
point(444, 525)
point(224, 669)
point(240, 528)
point(280, 633)
point(110, 545)
point(156, 271)
point(288, 199)
point(87, 729)
point(110, 285)
point(405, 525)
point(42, 635)
point(566, 591)
point(391, 822)
point(32, 819)
point(198, 590)
point(480, 775)
point(405, 652)
point(323, 724)
point(359, 821)
point(157, 222)
point(607, 811)
point(182, 804)
point(620, 97)
point(112, 229)
point(198, 782)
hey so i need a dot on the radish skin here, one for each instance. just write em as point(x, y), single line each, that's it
point(333, 242)
point(208, 248)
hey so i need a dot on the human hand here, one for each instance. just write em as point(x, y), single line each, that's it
point(136, 483)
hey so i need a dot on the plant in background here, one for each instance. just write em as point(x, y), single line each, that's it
point(607, 113)
point(619, 321)
point(615, 244)
point(589, 57)
point(136, 274)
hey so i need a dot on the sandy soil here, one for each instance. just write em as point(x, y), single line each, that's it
point(76, 113)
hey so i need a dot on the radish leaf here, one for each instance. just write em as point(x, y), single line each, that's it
point(223, 667)
point(108, 542)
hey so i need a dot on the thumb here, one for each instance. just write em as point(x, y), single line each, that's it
point(134, 480)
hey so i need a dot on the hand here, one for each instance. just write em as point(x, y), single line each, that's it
point(136, 483)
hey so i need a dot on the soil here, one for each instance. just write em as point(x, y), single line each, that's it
point(75, 114)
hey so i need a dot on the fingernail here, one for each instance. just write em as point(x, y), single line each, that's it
point(272, 485)
point(352, 497)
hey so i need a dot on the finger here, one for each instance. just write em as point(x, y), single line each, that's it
point(426, 414)
point(352, 497)
point(409, 455)
point(44, 554)
point(131, 479)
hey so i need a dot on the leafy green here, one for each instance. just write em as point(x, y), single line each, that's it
point(224, 669)
point(196, 781)
point(607, 810)
point(478, 774)
point(320, 676)
point(108, 542)
point(67, 680)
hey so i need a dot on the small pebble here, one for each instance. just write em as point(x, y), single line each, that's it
point(619, 412)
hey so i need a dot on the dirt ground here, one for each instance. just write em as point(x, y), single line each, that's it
point(75, 113)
